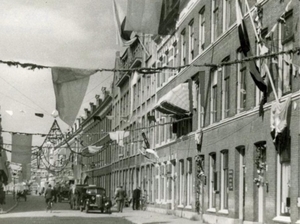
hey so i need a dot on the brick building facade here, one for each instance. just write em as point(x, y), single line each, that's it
point(216, 157)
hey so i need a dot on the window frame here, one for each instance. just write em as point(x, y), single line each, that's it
point(201, 30)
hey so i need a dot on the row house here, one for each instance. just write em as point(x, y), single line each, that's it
point(216, 155)
point(226, 164)
point(91, 129)
point(133, 95)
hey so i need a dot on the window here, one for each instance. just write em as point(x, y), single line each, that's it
point(183, 48)
point(214, 20)
point(171, 62)
point(241, 88)
point(285, 61)
point(162, 182)
point(284, 176)
point(201, 30)
point(225, 90)
point(214, 91)
point(164, 72)
point(224, 179)
point(165, 183)
point(181, 182)
point(189, 181)
point(212, 180)
point(226, 14)
point(191, 41)
point(158, 76)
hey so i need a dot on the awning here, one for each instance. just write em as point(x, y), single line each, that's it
point(177, 101)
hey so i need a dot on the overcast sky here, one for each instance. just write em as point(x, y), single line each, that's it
point(71, 33)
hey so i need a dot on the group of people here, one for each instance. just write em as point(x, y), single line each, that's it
point(138, 198)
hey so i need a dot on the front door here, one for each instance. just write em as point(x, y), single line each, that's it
point(242, 184)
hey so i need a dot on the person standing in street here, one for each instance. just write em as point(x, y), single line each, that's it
point(136, 195)
point(48, 195)
point(120, 198)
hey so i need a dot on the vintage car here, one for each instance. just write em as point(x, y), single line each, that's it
point(94, 198)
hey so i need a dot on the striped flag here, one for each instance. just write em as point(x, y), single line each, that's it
point(246, 49)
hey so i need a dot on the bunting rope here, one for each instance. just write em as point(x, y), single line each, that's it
point(92, 133)
point(145, 70)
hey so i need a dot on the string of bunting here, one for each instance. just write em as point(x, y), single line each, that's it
point(32, 66)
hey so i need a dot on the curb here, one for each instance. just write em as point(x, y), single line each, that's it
point(10, 209)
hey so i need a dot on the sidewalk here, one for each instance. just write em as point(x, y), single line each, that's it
point(10, 203)
point(144, 217)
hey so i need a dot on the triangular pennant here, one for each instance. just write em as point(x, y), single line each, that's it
point(39, 114)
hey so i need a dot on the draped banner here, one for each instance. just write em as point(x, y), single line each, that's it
point(21, 148)
point(70, 86)
point(123, 37)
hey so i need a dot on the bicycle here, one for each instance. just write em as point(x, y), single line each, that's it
point(49, 205)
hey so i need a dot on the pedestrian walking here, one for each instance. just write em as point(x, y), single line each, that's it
point(54, 194)
point(120, 198)
point(136, 196)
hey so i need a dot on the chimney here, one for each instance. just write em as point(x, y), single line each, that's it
point(97, 98)
point(87, 112)
point(92, 107)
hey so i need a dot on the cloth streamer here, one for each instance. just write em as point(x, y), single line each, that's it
point(118, 136)
point(94, 149)
point(151, 151)
point(278, 116)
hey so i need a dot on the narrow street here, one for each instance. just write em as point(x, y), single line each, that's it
point(33, 211)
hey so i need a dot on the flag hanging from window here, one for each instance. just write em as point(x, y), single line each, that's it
point(278, 119)
point(246, 49)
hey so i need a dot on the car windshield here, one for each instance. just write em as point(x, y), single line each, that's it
point(96, 191)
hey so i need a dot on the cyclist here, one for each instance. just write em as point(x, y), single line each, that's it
point(48, 197)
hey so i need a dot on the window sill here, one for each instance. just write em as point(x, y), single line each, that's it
point(223, 211)
point(283, 219)
point(188, 207)
point(211, 210)
point(180, 206)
